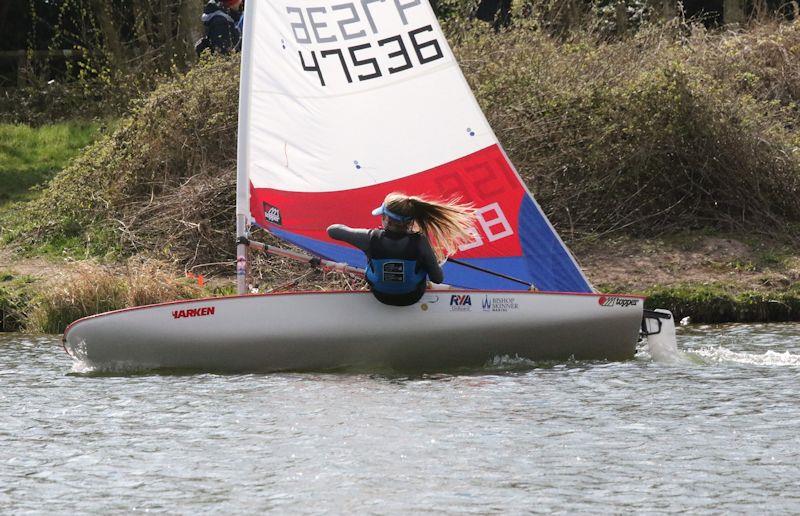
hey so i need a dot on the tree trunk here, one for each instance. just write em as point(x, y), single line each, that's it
point(189, 27)
point(4, 8)
point(621, 15)
point(141, 25)
point(574, 13)
point(665, 9)
point(166, 39)
point(733, 11)
point(111, 38)
point(564, 15)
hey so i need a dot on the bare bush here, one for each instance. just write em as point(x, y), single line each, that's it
point(670, 129)
point(90, 288)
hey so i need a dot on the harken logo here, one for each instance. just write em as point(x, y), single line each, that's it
point(460, 303)
point(617, 301)
point(193, 312)
point(272, 214)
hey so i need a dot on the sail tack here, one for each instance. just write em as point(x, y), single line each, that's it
point(348, 101)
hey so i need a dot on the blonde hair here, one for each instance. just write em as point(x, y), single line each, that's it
point(446, 224)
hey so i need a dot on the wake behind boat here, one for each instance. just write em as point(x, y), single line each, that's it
point(342, 103)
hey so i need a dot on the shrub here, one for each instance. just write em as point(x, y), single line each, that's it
point(162, 182)
point(15, 297)
point(716, 303)
point(673, 128)
point(89, 289)
point(648, 134)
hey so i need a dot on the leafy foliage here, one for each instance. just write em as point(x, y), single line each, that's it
point(117, 49)
point(715, 303)
point(673, 128)
point(653, 133)
point(29, 156)
point(177, 146)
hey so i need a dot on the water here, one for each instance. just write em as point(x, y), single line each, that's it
point(716, 431)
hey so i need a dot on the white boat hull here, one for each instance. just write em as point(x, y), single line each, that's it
point(341, 330)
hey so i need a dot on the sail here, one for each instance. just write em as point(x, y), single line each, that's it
point(346, 101)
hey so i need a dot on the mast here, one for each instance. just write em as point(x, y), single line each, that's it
point(242, 150)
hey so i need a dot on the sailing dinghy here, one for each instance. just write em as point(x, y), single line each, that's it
point(341, 103)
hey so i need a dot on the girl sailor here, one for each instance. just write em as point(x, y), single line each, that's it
point(417, 235)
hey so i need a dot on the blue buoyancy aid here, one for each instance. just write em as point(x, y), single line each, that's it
point(392, 276)
point(400, 273)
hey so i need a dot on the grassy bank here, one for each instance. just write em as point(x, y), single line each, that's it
point(30, 156)
point(40, 306)
point(16, 293)
point(672, 129)
point(718, 303)
point(49, 305)
point(675, 128)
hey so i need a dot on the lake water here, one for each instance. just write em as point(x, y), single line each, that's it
point(715, 430)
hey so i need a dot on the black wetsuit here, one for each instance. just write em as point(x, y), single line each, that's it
point(382, 243)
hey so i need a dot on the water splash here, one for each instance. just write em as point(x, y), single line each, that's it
point(81, 367)
point(116, 368)
point(769, 358)
point(503, 362)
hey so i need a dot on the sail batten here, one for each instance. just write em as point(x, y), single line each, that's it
point(349, 101)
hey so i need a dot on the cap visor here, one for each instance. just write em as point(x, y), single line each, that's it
point(378, 211)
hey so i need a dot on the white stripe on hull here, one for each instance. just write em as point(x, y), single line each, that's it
point(327, 330)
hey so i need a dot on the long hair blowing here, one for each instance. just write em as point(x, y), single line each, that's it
point(446, 224)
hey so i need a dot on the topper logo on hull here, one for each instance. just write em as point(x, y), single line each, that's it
point(616, 301)
point(193, 312)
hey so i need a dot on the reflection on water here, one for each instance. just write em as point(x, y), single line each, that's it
point(716, 433)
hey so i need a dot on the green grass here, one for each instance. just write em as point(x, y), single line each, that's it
point(30, 156)
point(16, 293)
point(718, 303)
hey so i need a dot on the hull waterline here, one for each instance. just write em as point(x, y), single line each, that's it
point(335, 330)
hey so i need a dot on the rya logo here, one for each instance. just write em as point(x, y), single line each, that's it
point(460, 300)
point(272, 214)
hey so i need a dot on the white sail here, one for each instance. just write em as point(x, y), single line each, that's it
point(348, 101)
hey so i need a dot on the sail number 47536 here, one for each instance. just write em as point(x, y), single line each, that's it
point(362, 60)
point(368, 28)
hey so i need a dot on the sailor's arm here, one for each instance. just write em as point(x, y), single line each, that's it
point(355, 237)
point(428, 259)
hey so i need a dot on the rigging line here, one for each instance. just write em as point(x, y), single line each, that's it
point(451, 260)
point(291, 283)
point(493, 273)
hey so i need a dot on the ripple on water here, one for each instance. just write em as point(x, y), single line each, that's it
point(713, 435)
